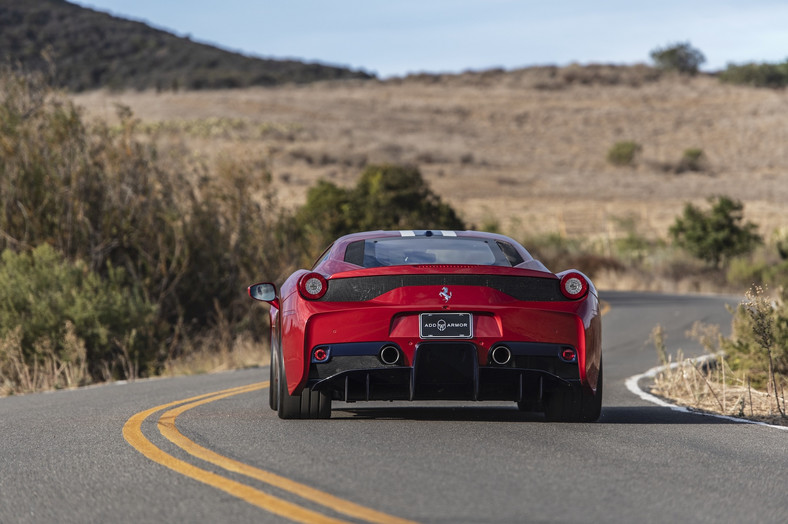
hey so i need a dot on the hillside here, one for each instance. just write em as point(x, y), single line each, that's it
point(92, 50)
point(525, 149)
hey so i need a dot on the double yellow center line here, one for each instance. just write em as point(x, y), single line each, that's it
point(132, 432)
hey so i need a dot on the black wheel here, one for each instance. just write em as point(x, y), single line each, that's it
point(273, 383)
point(575, 405)
point(592, 403)
point(309, 404)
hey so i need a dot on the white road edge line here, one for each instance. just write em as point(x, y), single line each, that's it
point(632, 386)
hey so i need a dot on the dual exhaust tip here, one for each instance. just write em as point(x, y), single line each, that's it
point(389, 355)
point(500, 355)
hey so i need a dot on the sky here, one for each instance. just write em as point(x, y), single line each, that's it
point(399, 37)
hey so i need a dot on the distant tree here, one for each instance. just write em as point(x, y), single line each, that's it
point(681, 57)
point(717, 234)
point(385, 197)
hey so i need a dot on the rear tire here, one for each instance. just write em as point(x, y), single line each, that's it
point(273, 382)
point(592, 403)
point(309, 404)
point(575, 405)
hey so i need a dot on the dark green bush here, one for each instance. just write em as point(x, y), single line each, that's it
point(385, 197)
point(756, 75)
point(716, 235)
point(623, 153)
point(41, 292)
point(680, 57)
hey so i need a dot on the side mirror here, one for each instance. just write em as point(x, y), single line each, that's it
point(264, 292)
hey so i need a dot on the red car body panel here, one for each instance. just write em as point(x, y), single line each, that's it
point(300, 325)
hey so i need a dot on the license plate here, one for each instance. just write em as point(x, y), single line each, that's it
point(445, 325)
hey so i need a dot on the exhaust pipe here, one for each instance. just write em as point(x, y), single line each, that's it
point(501, 355)
point(389, 355)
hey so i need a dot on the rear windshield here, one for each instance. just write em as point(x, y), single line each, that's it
point(397, 251)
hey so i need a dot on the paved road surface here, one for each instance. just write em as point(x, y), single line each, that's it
point(64, 457)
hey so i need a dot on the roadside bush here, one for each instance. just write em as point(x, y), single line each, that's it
point(623, 153)
point(693, 159)
point(716, 235)
point(385, 197)
point(558, 253)
point(44, 299)
point(679, 57)
point(746, 272)
point(756, 75)
point(781, 242)
point(188, 238)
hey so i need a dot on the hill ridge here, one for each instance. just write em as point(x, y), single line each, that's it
point(92, 49)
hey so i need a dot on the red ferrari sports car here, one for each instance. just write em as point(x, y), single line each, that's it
point(434, 315)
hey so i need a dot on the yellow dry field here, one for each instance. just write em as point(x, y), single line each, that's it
point(526, 149)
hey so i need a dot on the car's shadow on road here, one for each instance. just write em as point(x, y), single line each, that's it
point(610, 415)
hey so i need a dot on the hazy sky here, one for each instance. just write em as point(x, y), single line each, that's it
point(396, 37)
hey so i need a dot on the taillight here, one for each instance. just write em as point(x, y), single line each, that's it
point(312, 286)
point(574, 285)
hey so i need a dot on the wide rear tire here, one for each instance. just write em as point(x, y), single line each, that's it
point(575, 405)
point(309, 404)
point(592, 403)
point(273, 382)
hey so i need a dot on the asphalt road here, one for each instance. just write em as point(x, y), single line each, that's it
point(77, 456)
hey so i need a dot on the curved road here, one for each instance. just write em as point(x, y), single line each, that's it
point(140, 452)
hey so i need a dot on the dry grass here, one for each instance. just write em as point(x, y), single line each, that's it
point(241, 353)
point(46, 369)
point(713, 387)
point(709, 384)
point(526, 148)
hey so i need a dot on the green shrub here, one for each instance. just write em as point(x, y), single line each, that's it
point(716, 235)
point(558, 253)
point(781, 242)
point(623, 153)
point(745, 272)
point(680, 57)
point(749, 271)
point(756, 75)
point(693, 159)
point(41, 293)
point(385, 197)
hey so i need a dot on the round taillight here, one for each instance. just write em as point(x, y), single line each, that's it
point(574, 285)
point(312, 286)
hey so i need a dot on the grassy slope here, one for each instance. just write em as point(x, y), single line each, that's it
point(526, 148)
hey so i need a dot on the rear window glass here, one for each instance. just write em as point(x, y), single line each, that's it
point(396, 251)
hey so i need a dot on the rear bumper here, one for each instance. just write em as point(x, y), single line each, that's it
point(444, 371)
